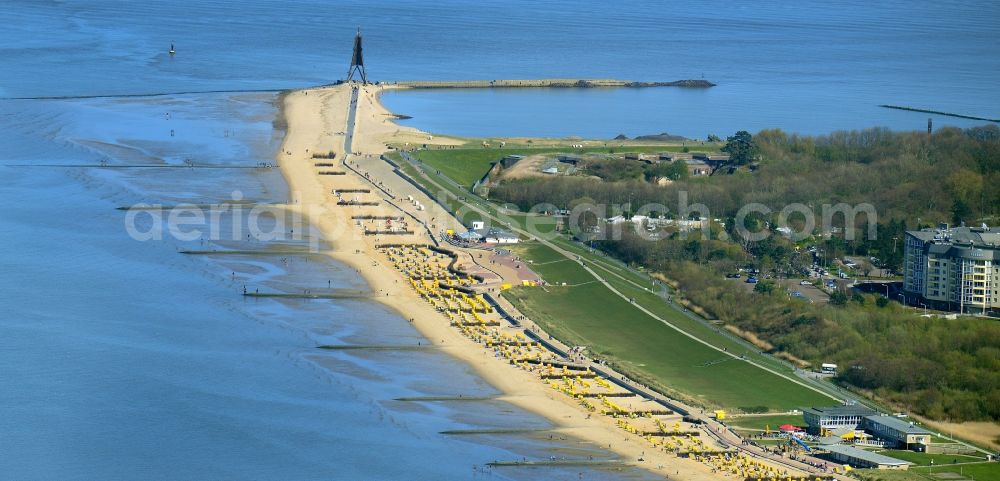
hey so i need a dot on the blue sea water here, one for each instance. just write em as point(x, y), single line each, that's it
point(122, 359)
point(809, 67)
point(805, 67)
point(129, 360)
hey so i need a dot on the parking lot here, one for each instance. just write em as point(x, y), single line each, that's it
point(808, 292)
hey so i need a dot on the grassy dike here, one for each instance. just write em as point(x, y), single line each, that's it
point(477, 161)
point(586, 312)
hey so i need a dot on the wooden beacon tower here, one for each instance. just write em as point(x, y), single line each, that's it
point(357, 61)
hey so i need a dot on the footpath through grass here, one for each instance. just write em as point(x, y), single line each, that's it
point(586, 313)
point(979, 471)
point(642, 290)
point(924, 459)
point(589, 314)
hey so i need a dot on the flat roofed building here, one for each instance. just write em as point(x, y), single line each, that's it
point(821, 419)
point(859, 458)
point(489, 236)
point(896, 431)
point(498, 236)
point(954, 269)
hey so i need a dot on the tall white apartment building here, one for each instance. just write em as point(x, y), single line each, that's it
point(953, 269)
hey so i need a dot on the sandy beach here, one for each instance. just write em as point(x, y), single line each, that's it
point(317, 120)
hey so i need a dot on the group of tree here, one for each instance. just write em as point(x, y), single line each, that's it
point(913, 180)
point(742, 150)
point(942, 369)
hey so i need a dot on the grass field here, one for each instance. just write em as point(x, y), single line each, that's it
point(978, 471)
point(467, 165)
point(591, 315)
point(762, 422)
point(642, 362)
point(924, 459)
point(395, 156)
point(538, 224)
point(986, 471)
point(588, 314)
point(639, 287)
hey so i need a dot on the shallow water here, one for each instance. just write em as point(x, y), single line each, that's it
point(124, 359)
point(809, 67)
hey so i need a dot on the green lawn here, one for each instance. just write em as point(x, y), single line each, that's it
point(466, 216)
point(552, 266)
point(924, 459)
point(979, 472)
point(636, 285)
point(540, 224)
point(590, 315)
point(890, 475)
point(467, 165)
point(395, 156)
point(464, 166)
point(762, 422)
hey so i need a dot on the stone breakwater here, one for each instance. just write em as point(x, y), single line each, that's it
point(548, 83)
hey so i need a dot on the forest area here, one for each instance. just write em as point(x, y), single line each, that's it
point(943, 369)
point(911, 179)
point(906, 175)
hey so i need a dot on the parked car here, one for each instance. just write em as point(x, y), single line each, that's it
point(751, 280)
point(805, 283)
